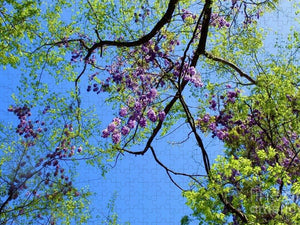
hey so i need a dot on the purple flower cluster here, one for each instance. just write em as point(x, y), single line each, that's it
point(252, 133)
point(232, 95)
point(213, 124)
point(137, 75)
point(151, 51)
point(113, 129)
point(151, 115)
point(135, 116)
point(94, 88)
point(76, 55)
point(188, 73)
point(213, 104)
point(116, 71)
point(220, 124)
point(161, 115)
point(187, 14)
point(47, 163)
point(123, 111)
point(143, 122)
point(140, 81)
point(218, 21)
point(26, 127)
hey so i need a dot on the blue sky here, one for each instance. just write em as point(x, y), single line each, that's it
point(145, 195)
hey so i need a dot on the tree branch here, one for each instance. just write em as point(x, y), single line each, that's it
point(191, 122)
point(231, 208)
point(233, 66)
point(77, 90)
point(173, 172)
point(164, 20)
point(204, 31)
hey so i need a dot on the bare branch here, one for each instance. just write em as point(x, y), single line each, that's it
point(173, 172)
point(191, 122)
point(230, 64)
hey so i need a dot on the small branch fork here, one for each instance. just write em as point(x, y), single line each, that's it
point(173, 172)
point(168, 171)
